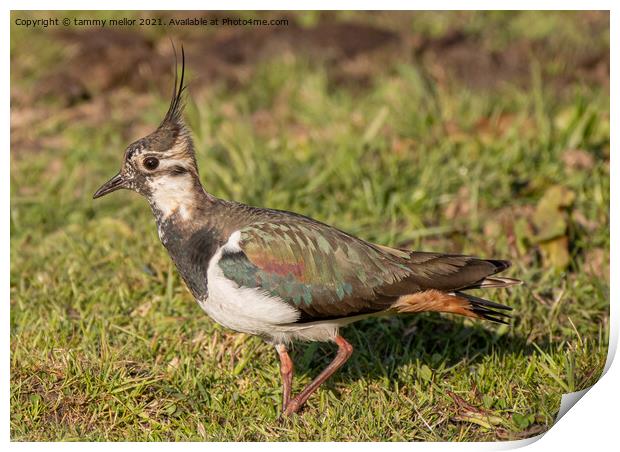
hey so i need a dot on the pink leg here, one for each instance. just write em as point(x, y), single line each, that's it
point(286, 370)
point(344, 352)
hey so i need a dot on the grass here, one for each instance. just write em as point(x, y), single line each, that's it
point(107, 344)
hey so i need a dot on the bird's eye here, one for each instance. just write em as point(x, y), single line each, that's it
point(150, 163)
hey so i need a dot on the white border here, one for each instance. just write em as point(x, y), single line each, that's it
point(591, 425)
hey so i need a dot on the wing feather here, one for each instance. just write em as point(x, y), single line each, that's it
point(321, 271)
point(326, 273)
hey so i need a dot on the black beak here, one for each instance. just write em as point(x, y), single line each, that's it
point(112, 185)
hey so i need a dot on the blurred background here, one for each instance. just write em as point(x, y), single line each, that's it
point(483, 133)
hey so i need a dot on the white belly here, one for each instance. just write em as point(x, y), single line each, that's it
point(243, 309)
point(253, 311)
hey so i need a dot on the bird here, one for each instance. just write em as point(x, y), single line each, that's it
point(283, 276)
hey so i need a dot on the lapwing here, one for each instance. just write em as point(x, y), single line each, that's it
point(284, 276)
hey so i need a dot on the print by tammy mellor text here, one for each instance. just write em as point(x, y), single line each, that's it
point(147, 22)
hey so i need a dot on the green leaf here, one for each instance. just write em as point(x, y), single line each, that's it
point(426, 373)
point(171, 409)
point(522, 421)
point(551, 222)
point(555, 253)
point(550, 219)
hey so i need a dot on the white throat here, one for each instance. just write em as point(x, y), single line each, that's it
point(172, 194)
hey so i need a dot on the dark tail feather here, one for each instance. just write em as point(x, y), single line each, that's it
point(500, 265)
point(485, 309)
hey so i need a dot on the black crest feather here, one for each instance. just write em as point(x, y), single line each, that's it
point(175, 110)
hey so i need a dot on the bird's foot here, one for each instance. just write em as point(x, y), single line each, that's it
point(292, 407)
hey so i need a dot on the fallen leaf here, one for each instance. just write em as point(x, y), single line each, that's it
point(479, 419)
point(551, 220)
point(596, 263)
point(426, 373)
point(522, 421)
point(142, 310)
point(555, 253)
point(577, 159)
point(174, 363)
point(202, 431)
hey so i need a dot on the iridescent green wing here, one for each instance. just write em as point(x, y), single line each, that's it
point(318, 269)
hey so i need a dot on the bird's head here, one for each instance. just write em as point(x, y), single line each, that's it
point(161, 166)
